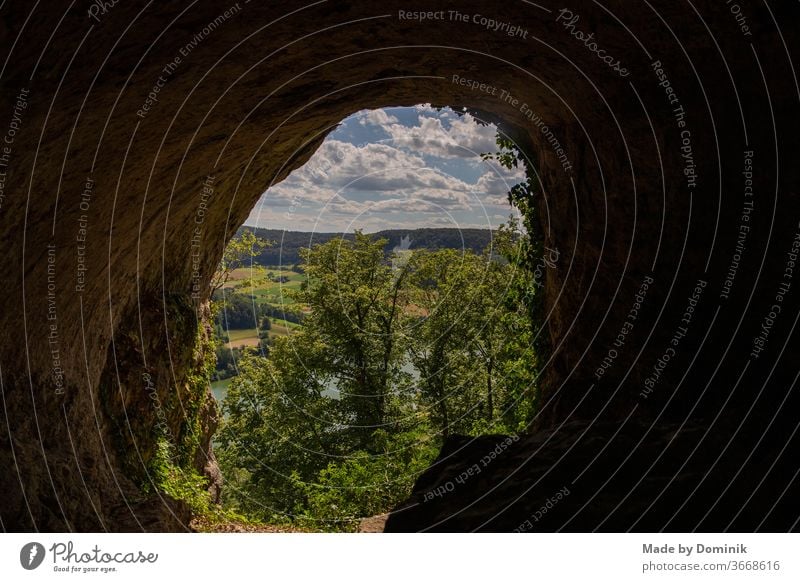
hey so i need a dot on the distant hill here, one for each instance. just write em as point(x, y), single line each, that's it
point(288, 243)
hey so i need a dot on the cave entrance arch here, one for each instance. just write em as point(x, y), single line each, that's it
point(387, 172)
point(197, 144)
point(92, 133)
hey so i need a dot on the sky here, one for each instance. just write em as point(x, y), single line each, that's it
point(398, 167)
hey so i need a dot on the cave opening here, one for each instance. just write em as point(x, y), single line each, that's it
point(382, 298)
point(138, 152)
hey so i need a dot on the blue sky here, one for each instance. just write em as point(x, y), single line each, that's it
point(399, 167)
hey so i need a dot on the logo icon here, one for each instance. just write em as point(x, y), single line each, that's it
point(31, 555)
point(401, 254)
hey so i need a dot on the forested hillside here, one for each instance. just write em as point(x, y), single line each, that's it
point(285, 251)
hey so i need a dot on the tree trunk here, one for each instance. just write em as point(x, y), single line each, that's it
point(489, 395)
point(445, 418)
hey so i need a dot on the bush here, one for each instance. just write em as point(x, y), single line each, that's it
point(184, 484)
point(366, 484)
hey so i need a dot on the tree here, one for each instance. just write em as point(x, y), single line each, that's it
point(324, 406)
point(470, 345)
point(363, 484)
point(331, 424)
point(520, 326)
point(279, 429)
point(443, 283)
point(521, 244)
point(238, 253)
point(357, 304)
point(238, 311)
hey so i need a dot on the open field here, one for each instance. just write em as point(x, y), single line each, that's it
point(282, 327)
point(238, 338)
point(267, 284)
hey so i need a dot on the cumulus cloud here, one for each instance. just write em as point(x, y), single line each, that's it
point(340, 165)
point(377, 117)
point(463, 138)
point(344, 169)
point(492, 187)
point(406, 180)
point(425, 108)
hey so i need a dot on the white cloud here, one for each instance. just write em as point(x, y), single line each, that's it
point(341, 168)
point(339, 164)
point(425, 108)
point(492, 187)
point(377, 117)
point(399, 182)
point(464, 138)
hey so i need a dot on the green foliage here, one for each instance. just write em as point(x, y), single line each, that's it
point(335, 421)
point(184, 484)
point(366, 484)
point(445, 286)
point(332, 426)
point(238, 253)
point(238, 311)
point(187, 485)
point(521, 244)
point(472, 347)
point(357, 305)
point(278, 424)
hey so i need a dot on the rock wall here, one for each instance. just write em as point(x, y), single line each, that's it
point(138, 139)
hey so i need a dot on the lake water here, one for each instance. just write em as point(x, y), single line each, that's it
point(220, 387)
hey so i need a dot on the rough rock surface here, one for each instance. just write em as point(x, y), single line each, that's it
point(98, 177)
point(605, 477)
